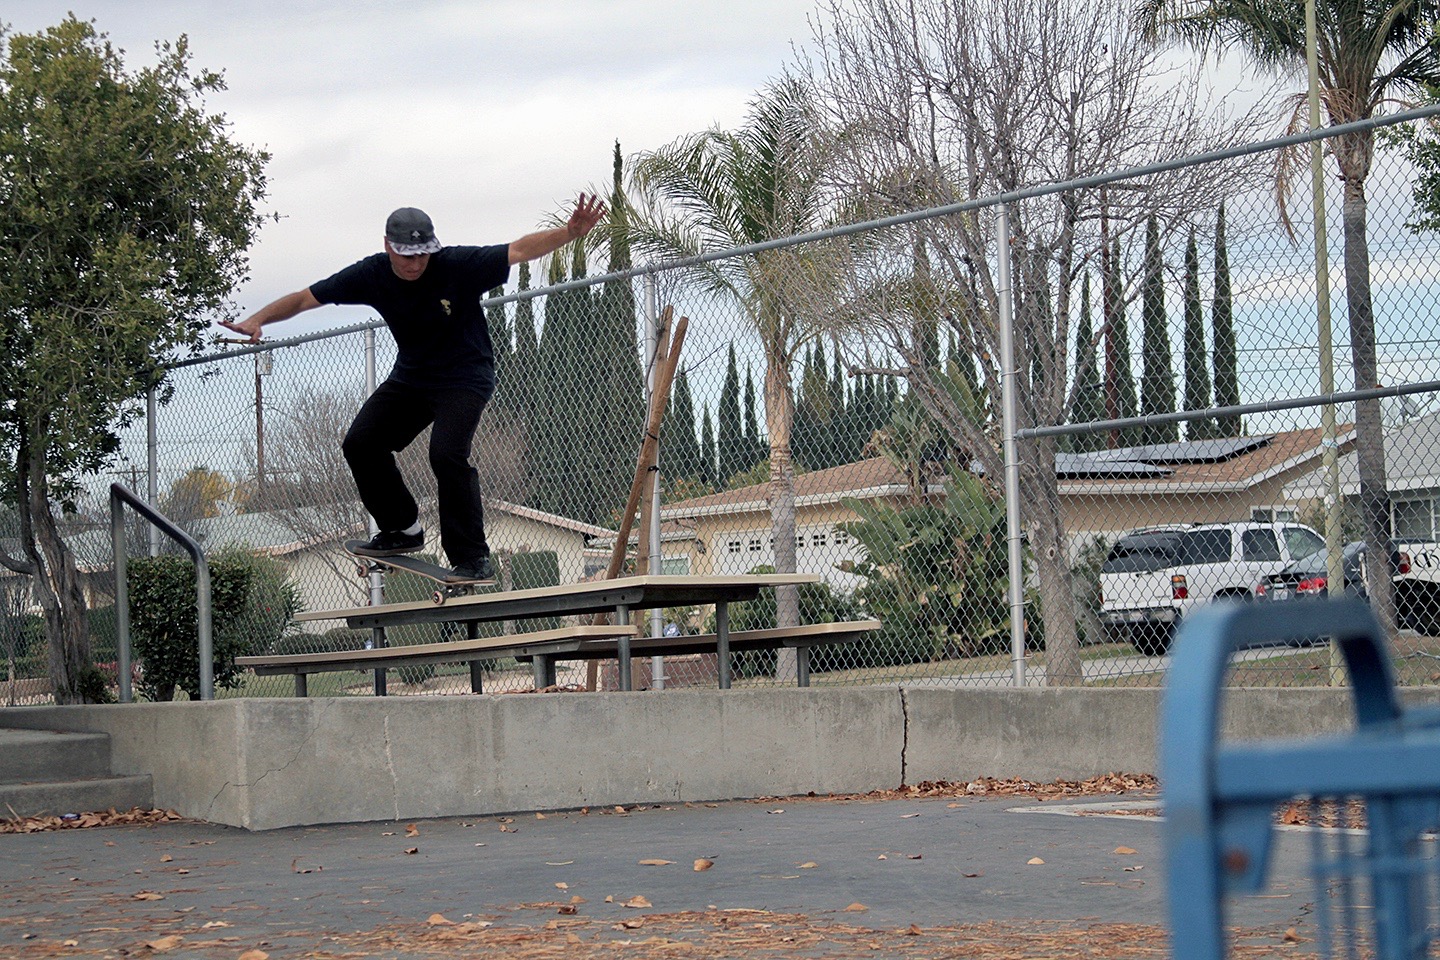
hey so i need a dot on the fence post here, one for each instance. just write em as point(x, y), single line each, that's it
point(377, 581)
point(1011, 449)
point(152, 464)
point(657, 562)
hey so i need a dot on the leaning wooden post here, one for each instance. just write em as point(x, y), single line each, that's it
point(649, 448)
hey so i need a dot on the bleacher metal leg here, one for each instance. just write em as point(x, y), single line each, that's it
point(802, 666)
point(378, 633)
point(472, 632)
point(544, 667)
point(622, 650)
point(302, 685)
point(722, 643)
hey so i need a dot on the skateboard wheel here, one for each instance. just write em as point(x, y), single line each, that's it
point(362, 570)
point(438, 596)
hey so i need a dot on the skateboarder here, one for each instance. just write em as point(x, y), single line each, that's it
point(444, 373)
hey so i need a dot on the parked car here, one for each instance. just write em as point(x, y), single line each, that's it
point(1154, 576)
point(1413, 565)
point(1309, 576)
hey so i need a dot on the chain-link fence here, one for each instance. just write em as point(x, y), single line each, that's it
point(841, 410)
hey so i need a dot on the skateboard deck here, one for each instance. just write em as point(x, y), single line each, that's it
point(450, 585)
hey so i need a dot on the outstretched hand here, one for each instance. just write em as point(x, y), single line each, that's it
point(249, 328)
point(589, 210)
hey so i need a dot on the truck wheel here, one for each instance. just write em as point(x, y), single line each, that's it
point(1152, 640)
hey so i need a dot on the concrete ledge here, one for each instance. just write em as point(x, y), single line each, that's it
point(263, 763)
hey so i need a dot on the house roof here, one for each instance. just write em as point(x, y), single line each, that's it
point(875, 477)
point(1208, 466)
point(1189, 467)
point(1412, 462)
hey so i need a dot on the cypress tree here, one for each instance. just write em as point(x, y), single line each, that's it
point(805, 432)
point(620, 382)
point(707, 451)
point(730, 430)
point(1120, 399)
point(1197, 365)
point(1089, 403)
point(756, 450)
point(1227, 376)
point(1157, 382)
point(679, 449)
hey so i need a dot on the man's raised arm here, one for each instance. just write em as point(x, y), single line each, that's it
point(588, 212)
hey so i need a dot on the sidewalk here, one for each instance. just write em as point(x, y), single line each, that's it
point(790, 878)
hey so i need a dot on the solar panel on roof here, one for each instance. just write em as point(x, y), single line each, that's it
point(1096, 465)
point(1190, 451)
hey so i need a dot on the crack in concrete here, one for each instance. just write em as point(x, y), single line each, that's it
point(324, 707)
point(390, 766)
point(904, 734)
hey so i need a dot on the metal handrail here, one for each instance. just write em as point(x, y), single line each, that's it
point(119, 496)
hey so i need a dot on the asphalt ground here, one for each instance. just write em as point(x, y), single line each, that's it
point(802, 877)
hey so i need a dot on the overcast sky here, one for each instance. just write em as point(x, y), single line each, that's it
point(489, 114)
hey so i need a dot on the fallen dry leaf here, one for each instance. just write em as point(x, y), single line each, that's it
point(977, 873)
point(907, 816)
point(412, 829)
point(703, 864)
point(914, 931)
point(438, 920)
point(780, 810)
point(638, 902)
point(656, 863)
point(166, 858)
point(214, 925)
point(635, 924)
point(562, 886)
point(539, 816)
point(1291, 935)
point(577, 899)
point(568, 909)
point(148, 895)
point(1124, 851)
point(411, 851)
point(254, 955)
point(809, 865)
point(165, 943)
point(1034, 861)
point(856, 908)
point(914, 856)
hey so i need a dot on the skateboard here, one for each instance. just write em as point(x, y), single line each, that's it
point(449, 584)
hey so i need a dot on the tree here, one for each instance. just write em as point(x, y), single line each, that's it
point(730, 429)
point(707, 450)
point(1157, 382)
point(125, 212)
point(937, 102)
point(1197, 367)
point(1222, 326)
point(1088, 405)
point(1368, 54)
point(722, 189)
point(679, 449)
point(197, 493)
point(1120, 399)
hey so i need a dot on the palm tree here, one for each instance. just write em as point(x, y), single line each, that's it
point(721, 189)
point(1369, 51)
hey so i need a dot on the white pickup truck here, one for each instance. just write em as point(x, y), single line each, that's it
point(1152, 577)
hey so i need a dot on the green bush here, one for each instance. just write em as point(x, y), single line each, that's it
point(252, 604)
point(936, 573)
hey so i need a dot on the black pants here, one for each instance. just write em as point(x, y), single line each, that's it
point(387, 423)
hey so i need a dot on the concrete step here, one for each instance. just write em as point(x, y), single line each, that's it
point(76, 796)
point(49, 772)
point(39, 755)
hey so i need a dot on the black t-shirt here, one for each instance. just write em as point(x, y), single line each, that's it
point(438, 325)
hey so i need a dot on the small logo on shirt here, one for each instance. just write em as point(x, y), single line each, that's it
point(446, 305)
